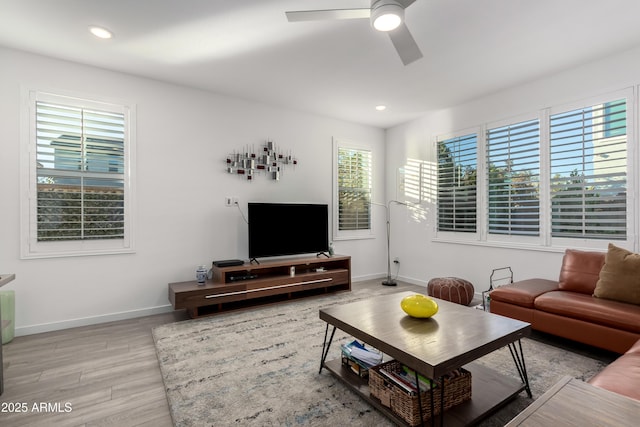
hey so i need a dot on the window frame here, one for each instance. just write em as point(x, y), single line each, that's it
point(30, 246)
point(351, 234)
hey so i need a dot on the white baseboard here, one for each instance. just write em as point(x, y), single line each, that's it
point(368, 277)
point(93, 320)
point(383, 276)
point(413, 281)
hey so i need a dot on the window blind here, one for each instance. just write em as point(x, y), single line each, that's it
point(354, 189)
point(513, 154)
point(80, 173)
point(457, 184)
point(589, 172)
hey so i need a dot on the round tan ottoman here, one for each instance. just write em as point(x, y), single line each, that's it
point(451, 289)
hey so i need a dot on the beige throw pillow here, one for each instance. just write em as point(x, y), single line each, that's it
point(620, 276)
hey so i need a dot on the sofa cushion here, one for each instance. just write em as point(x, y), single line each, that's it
point(614, 314)
point(523, 293)
point(580, 271)
point(620, 276)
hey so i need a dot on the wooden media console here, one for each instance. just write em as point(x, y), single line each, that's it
point(268, 282)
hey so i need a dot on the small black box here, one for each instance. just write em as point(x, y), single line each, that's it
point(228, 262)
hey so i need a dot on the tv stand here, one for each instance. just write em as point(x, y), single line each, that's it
point(272, 281)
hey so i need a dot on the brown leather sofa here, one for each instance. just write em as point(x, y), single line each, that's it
point(622, 376)
point(567, 307)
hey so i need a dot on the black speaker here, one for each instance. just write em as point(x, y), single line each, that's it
point(228, 262)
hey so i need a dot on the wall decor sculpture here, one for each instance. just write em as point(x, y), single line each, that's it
point(267, 160)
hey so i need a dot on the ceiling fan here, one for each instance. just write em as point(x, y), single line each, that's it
point(385, 15)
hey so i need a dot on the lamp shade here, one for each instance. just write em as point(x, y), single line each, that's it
point(387, 15)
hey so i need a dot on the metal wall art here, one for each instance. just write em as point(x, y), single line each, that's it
point(267, 160)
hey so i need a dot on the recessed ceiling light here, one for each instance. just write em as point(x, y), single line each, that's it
point(100, 32)
point(381, 107)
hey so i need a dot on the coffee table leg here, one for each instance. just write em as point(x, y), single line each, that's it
point(442, 401)
point(518, 358)
point(432, 402)
point(420, 399)
point(325, 346)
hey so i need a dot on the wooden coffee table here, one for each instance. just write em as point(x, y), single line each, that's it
point(455, 337)
point(574, 402)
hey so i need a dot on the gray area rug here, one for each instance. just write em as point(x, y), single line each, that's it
point(259, 367)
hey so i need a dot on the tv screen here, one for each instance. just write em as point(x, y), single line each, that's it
point(287, 229)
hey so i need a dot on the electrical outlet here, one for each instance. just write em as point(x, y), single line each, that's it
point(396, 260)
point(228, 201)
point(234, 201)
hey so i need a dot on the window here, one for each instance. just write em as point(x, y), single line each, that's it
point(513, 156)
point(457, 183)
point(589, 172)
point(78, 177)
point(353, 191)
point(562, 177)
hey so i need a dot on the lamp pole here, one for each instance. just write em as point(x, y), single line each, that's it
point(389, 281)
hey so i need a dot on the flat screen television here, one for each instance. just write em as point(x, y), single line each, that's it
point(287, 229)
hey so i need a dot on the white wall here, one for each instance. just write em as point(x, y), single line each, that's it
point(183, 138)
point(420, 257)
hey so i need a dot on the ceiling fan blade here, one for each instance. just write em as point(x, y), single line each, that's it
point(405, 44)
point(331, 14)
point(406, 3)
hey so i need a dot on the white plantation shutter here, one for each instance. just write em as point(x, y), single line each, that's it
point(589, 172)
point(513, 157)
point(354, 189)
point(457, 184)
point(80, 173)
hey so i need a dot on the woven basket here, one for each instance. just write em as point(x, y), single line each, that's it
point(457, 389)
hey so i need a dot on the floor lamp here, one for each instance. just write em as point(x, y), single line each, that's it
point(389, 280)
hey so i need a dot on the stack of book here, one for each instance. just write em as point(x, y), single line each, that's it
point(360, 358)
point(396, 387)
point(405, 378)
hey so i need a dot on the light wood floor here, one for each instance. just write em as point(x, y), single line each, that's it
point(108, 373)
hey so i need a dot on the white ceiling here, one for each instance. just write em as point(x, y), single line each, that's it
point(341, 69)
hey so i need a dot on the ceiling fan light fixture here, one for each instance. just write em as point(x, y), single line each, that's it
point(386, 15)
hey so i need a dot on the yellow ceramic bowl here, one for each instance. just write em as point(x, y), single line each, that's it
point(419, 306)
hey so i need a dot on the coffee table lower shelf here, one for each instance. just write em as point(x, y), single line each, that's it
point(489, 391)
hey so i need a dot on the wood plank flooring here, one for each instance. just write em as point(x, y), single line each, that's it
point(108, 374)
point(101, 375)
